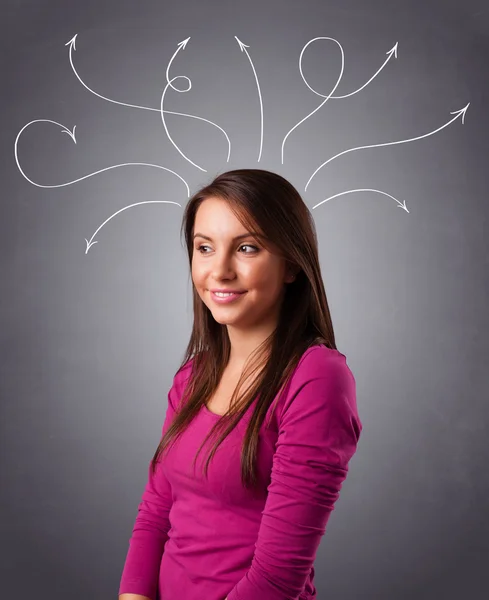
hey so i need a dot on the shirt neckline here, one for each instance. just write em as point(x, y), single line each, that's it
point(208, 411)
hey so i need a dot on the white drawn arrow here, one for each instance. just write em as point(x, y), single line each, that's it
point(72, 45)
point(181, 46)
point(391, 53)
point(72, 136)
point(457, 113)
point(243, 49)
point(399, 204)
point(90, 243)
point(326, 98)
point(164, 122)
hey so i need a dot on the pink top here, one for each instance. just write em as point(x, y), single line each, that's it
point(198, 539)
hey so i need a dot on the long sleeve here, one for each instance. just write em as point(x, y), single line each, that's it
point(150, 532)
point(318, 434)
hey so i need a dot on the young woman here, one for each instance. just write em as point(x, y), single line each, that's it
point(263, 380)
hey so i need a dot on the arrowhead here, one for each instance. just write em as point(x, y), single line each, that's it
point(393, 50)
point(89, 245)
point(183, 43)
point(462, 112)
point(241, 45)
point(403, 205)
point(72, 42)
point(70, 133)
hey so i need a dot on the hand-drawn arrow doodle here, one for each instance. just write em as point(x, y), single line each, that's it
point(326, 98)
point(71, 133)
point(90, 243)
point(399, 204)
point(163, 117)
point(182, 44)
point(457, 113)
point(243, 49)
point(392, 52)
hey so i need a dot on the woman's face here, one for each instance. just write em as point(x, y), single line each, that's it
point(243, 264)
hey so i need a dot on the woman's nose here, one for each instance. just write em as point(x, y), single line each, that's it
point(222, 265)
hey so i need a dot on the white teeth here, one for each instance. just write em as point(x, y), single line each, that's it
point(223, 295)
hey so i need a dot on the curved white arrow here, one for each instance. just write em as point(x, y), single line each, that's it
point(326, 98)
point(457, 113)
point(90, 243)
point(181, 46)
point(163, 118)
point(390, 53)
point(72, 136)
point(72, 45)
point(399, 204)
point(243, 49)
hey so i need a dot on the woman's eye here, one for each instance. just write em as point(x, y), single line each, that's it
point(249, 246)
point(255, 249)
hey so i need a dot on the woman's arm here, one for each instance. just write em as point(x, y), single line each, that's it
point(139, 579)
point(319, 432)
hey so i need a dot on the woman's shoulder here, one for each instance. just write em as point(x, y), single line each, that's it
point(320, 361)
point(325, 367)
point(315, 361)
point(321, 373)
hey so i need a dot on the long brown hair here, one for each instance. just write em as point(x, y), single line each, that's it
point(266, 202)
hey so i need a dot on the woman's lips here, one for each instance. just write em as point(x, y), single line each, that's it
point(226, 299)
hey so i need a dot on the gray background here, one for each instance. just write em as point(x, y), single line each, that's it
point(90, 342)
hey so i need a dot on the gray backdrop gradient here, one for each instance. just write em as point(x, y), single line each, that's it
point(90, 342)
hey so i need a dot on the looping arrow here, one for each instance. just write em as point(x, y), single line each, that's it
point(164, 122)
point(326, 98)
point(392, 52)
point(71, 133)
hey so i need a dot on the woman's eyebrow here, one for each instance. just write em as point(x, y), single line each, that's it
point(238, 237)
